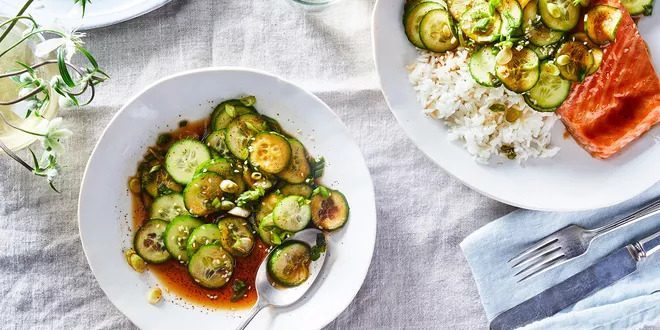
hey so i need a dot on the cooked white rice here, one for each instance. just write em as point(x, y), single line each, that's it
point(447, 91)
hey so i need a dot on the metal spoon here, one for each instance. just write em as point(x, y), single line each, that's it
point(268, 295)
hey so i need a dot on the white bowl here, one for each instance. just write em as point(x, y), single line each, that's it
point(104, 208)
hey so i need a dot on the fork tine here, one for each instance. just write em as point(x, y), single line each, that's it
point(542, 243)
point(539, 253)
point(541, 266)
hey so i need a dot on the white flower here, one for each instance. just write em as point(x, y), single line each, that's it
point(51, 173)
point(68, 26)
point(55, 134)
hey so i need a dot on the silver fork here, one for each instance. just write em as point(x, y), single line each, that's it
point(570, 242)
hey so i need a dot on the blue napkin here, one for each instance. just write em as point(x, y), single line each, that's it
point(632, 301)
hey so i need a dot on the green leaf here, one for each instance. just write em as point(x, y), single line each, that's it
point(64, 71)
point(89, 56)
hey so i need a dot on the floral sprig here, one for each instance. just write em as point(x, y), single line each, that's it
point(71, 83)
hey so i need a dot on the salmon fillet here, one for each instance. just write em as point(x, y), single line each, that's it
point(621, 101)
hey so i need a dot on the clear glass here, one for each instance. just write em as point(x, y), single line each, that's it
point(312, 5)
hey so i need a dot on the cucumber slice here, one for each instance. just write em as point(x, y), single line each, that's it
point(240, 131)
point(436, 31)
point(211, 267)
point(236, 236)
point(482, 66)
point(597, 54)
point(559, 15)
point(176, 236)
point(207, 234)
point(225, 169)
point(638, 7)
point(521, 73)
point(266, 181)
point(223, 115)
point(412, 3)
point(148, 242)
point(512, 15)
point(601, 23)
point(168, 207)
point(297, 189)
point(270, 152)
point(537, 33)
point(288, 264)
point(183, 157)
point(203, 195)
point(267, 205)
point(574, 60)
point(413, 18)
point(292, 213)
point(544, 52)
point(551, 89)
point(216, 142)
point(269, 233)
point(479, 25)
point(329, 212)
point(298, 169)
point(458, 7)
point(156, 182)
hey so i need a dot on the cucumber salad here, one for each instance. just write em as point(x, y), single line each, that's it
point(532, 47)
point(212, 197)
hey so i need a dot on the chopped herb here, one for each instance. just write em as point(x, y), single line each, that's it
point(163, 189)
point(230, 110)
point(249, 101)
point(239, 289)
point(482, 24)
point(319, 248)
point(318, 167)
point(648, 9)
point(154, 168)
point(183, 123)
point(321, 190)
point(509, 151)
point(164, 139)
point(250, 196)
point(216, 203)
point(497, 107)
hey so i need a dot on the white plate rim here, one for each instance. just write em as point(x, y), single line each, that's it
point(123, 16)
point(360, 274)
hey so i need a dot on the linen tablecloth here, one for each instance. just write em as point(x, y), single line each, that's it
point(418, 276)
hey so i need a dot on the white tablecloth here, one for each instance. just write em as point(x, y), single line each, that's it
point(418, 277)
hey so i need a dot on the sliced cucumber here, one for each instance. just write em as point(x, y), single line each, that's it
point(226, 111)
point(458, 7)
point(267, 205)
point(482, 66)
point(480, 25)
point(298, 169)
point(329, 212)
point(574, 60)
point(292, 213)
point(258, 179)
point(436, 31)
point(203, 195)
point(297, 189)
point(544, 52)
point(183, 157)
point(638, 7)
point(216, 141)
point(207, 234)
point(559, 15)
point(225, 168)
point(412, 3)
point(413, 18)
point(601, 23)
point(537, 33)
point(512, 15)
point(288, 264)
point(597, 54)
point(520, 73)
point(551, 89)
point(149, 243)
point(240, 131)
point(156, 182)
point(211, 266)
point(168, 207)
point(269, 233)
point(270, 152)
point(236, 236)
point(176, 236)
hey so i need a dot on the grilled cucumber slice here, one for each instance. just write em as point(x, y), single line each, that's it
point(412, 3)
point(520, 73)
point(550, 91)
point(329, 211)
point(298, 169)
point(225, 168)
point(480, 25)
point(292, 213)
point(297, 189)
point(574, 60)
point(288, 264)
point(437, 32)
point(267, 205)
point(207, 234)
point(168, 207)
point(226, 111)
point(413, 18)
point(559, 15)
point(458, 7)
point(156, 182)
point(236, 236)
point(203, 195)
point(270, 152)
point(482, 66)
point(240, 131)
point(512, 15)
point(183, 157)
point(149, 243)
point(176, 236)
point(638, 7)
point(211, 266)
point(537, 33)
point(216, 141)
point(601, 23)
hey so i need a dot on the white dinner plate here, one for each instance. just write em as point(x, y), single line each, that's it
point(98, 13)
point(571, 181)
point(104, 209)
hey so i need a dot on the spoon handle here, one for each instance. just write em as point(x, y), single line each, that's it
point(253, 312)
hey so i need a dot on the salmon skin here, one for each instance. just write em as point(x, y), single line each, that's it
point(621, 101)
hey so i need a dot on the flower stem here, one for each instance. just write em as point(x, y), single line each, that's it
point(18, 128)
point(15, 157)
point(20, 12)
